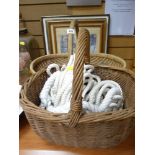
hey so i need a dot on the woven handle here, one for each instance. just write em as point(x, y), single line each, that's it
point(81, 58)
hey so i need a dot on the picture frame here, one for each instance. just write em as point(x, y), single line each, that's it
point(56, 38)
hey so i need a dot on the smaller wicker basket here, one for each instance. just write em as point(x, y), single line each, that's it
point(95, 59)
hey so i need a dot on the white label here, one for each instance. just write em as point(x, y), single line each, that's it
point(72, 31)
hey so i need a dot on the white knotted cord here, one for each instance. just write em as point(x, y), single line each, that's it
point(98, 96)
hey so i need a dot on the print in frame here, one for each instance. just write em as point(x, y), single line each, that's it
point(56, 38)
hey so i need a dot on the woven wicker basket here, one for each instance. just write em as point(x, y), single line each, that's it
point(105, 129)
point(96, 59)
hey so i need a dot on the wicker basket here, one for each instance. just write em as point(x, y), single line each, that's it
point(95, 59)
point(105, 129)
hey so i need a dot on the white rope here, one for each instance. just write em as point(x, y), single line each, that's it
point(56, 84)
point(98, 96)
point(65, 81)
point(107, 104)
point(48, 70)
point(46, 100)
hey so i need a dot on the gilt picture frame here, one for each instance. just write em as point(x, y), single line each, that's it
point(56, 38)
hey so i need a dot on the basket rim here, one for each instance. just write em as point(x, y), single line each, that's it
point(48, 56)
point(32, 109)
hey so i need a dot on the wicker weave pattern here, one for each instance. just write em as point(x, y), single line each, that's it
point(103, 129)
point(82, 57)
point(100, 134)
point(96, 59)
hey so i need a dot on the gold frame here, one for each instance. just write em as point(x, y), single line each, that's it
point(54, 28)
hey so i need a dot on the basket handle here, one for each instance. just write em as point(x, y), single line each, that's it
point(82, 57)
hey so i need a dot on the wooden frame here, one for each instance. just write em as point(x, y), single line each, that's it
point(55, 34)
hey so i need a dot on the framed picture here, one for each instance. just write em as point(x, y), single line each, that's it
point(56, 37)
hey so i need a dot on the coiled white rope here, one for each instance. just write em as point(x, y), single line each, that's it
point(56, 84)
point(98, 96)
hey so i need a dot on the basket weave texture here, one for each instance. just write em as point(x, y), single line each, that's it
point(105, 129)
point(95, 59)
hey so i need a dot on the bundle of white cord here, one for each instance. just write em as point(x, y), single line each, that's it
point(56, 91)
point(98, 96)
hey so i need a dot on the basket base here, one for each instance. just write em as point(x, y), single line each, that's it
point(94, 135)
